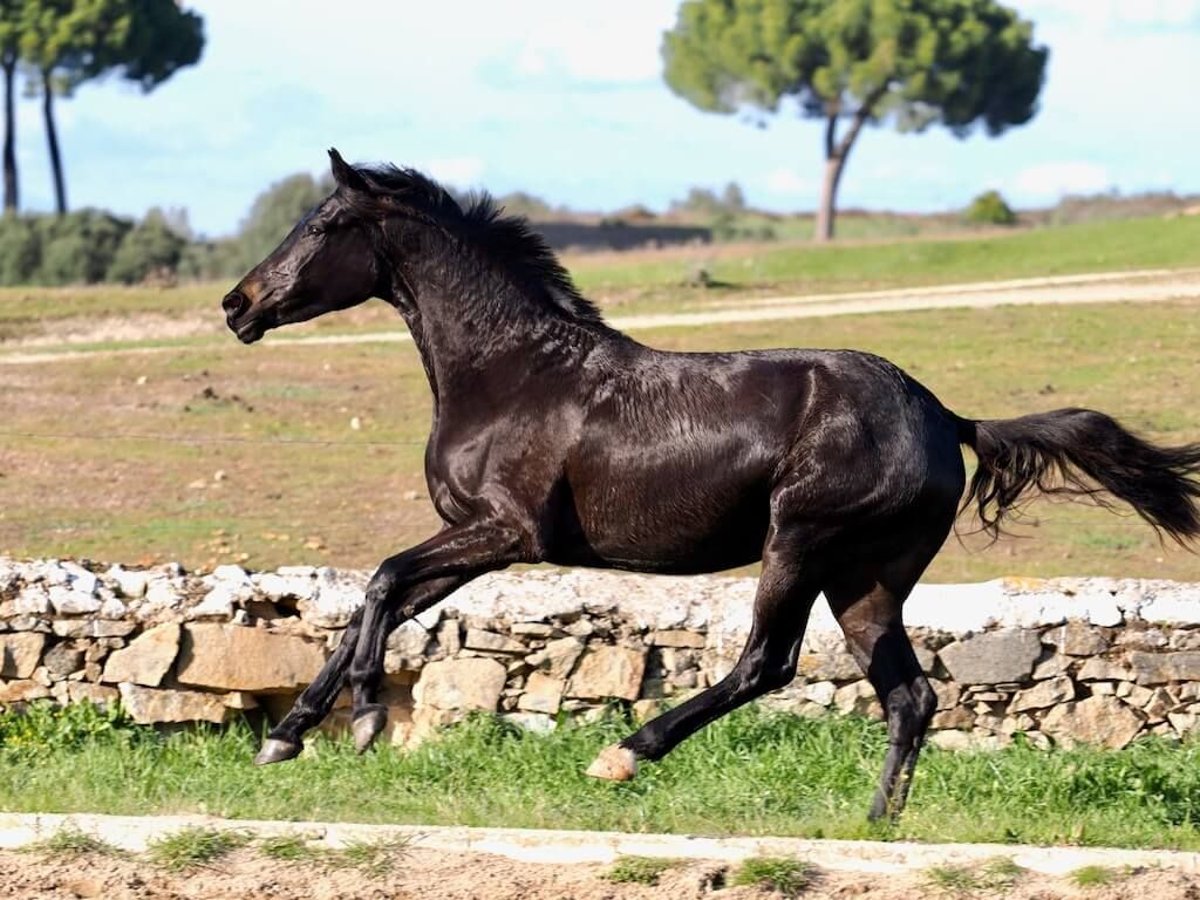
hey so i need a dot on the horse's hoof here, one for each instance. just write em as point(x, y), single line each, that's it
point(615, 763)
point(367, 726)
point(275, 750)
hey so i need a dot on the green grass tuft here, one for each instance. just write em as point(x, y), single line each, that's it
point(288, 847)
point(71, 840)
point(196, 846)
point(999, 874)
point(953, 879)
point(1093, 876)
point(373, 857)
point(787, 876)
point(638, 869)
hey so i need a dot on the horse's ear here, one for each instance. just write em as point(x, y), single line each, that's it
point(345, 174)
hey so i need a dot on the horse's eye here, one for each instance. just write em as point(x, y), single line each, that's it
point(314, 229)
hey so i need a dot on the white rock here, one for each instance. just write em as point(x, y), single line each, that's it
point(232, 574)
point(1172, 607)
point(277, 586)
point(130, 584)
point(162, 595)
point(337, 595)
point(819, 692)
point(113, 609)
point(1105, 612)
point(956, 608)
point(80, 579)
point(69, 602)
point(216, 604)
point(33, 600)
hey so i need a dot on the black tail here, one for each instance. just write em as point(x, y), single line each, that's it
point(1081, 452)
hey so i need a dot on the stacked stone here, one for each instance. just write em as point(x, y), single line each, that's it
point(1071, 660)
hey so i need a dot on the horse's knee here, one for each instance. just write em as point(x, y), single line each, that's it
point(763, 675)
point(387, 579)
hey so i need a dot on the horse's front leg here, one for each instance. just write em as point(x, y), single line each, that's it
point(398, 591)
point(403, 586)
point(285, 740)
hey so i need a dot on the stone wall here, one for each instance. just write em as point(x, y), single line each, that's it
point(1095, 660)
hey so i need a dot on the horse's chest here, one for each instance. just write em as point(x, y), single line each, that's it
point(472, 476)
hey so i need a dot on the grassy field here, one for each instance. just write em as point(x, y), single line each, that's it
point(655, 280)
point(749, 773)
point(219, 453)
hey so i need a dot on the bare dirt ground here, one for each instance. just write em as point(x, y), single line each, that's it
point(422, 874)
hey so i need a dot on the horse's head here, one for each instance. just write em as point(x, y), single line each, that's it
point(327, 262)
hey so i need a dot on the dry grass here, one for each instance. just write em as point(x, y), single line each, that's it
point(261, 464)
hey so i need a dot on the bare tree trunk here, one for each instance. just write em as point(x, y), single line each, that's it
point(836, 153)
point(11, 198)
point(823, 232)
point(60, 191)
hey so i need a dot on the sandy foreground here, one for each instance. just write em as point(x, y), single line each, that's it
point(440, 875)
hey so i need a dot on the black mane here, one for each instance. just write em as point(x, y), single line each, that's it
point(508, 240)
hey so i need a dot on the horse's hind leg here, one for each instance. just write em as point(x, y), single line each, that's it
point(786, 592)
point(868, 607)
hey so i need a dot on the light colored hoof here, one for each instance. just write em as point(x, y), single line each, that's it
point(274, 750)
point(367, 726)
point(615, 763)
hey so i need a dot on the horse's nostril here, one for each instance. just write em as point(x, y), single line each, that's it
point(235, 303)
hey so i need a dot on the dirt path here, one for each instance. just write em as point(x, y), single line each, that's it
point(418, 874)
point(1134, 287)
point(343, 860)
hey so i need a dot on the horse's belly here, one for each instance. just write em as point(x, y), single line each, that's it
point(683, 528)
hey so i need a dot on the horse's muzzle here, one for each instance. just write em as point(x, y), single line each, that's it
point(236, 306)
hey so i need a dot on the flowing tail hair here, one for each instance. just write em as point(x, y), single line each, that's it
point(1081, 453)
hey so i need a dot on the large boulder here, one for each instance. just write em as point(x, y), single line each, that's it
point(19, 654)
point(147, 659)
point(1160, 668)
point(609, 672)
point(1044, 694)
point(542, 694)
point(235, 658)
point(1100, 719)
point(149, 706)
point(461, 684)
point(994, 657)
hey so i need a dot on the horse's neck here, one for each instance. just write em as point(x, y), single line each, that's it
point(465, 363)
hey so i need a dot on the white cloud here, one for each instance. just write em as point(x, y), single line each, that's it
point(788, 181)
point(1049, 181)
point(461, 171)
point(614, 42)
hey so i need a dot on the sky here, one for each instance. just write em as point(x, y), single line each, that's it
point(565, 100)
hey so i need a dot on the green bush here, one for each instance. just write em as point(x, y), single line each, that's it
point(150, 249)
point(78, 248)
point(989, 208)
point(20, 250)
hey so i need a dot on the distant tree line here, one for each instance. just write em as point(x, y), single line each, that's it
point(57, 45)
point(88, 246)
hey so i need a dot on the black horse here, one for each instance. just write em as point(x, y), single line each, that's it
point(557, 439)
